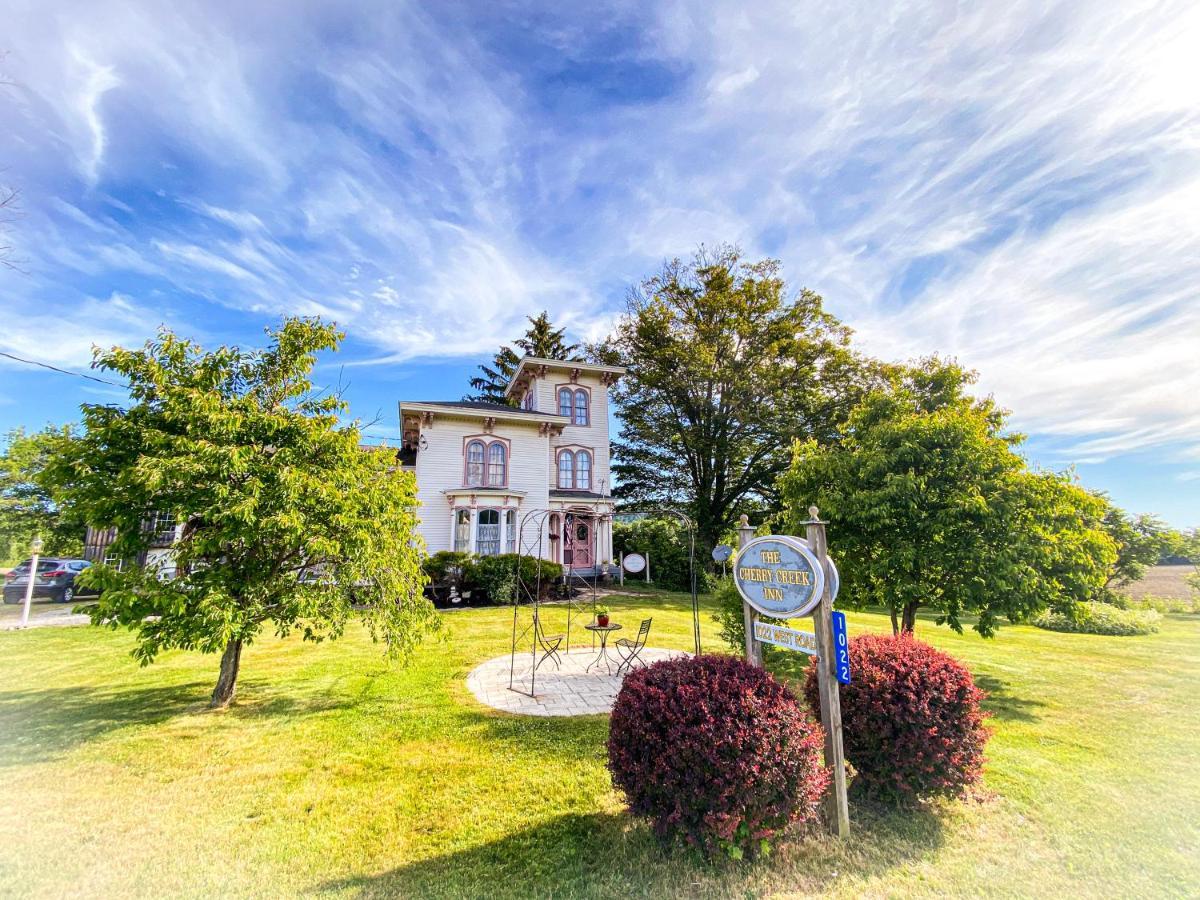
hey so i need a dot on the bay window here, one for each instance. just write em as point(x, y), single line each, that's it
point(462, 530)
point(487, 533)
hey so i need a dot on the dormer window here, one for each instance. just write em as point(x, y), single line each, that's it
point(573, 404)
point(486, 463)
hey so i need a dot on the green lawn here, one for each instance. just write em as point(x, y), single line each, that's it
point(335, 773)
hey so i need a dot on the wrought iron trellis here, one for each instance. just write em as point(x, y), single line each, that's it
point(530, 591)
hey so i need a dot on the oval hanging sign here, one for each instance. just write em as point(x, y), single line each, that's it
point(634, 562)
point(779, 576)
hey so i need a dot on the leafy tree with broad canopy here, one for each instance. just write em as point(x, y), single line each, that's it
point(541, 339)
point(286, 519)
point(725, 371)
point(930, 505)
point(27, 509)
point(1140, 539)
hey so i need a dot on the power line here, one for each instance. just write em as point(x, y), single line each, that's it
point(34, 362)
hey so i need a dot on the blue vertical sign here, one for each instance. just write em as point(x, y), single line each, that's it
point(841, 648)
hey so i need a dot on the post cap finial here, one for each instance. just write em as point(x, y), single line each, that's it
point(813, 512)
point(744, 521)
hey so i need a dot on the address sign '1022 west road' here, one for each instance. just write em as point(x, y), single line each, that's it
point(782, 577)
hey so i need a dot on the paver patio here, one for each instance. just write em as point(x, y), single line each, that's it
point(568, 690)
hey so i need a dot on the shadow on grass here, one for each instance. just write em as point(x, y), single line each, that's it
point(40, 725)
point(1003, 704)
point(611, 855)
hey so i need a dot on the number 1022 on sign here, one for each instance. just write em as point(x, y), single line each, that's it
point(841, 648)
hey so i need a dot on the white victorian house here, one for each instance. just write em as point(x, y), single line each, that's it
point(536, 475)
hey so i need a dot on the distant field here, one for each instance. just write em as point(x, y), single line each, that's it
point(1162, 581)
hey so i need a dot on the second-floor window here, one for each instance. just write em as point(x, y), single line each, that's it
point(497, 468)
point(486, 464)
point(574, 470)
point(573, 404)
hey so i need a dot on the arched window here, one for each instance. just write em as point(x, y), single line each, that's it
point(581, 407)
point(487, 532)
point(583, 470)
point(564, 402)
point(496, 465)
point(475, 463)
point(566, 470)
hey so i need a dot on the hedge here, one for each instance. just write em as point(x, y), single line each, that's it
point(666, 542)
point(1100, 618)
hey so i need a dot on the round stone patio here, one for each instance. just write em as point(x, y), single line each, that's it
point(568, 690)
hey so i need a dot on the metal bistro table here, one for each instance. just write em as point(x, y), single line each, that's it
point(602, 657)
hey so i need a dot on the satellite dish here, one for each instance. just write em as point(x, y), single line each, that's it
point(721, 553)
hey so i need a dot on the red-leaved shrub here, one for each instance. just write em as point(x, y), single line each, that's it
point(911, 722)
point(716, 753)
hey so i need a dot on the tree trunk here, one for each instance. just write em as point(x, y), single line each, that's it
point(895, 622)
point(226, 687)
point(909, 621)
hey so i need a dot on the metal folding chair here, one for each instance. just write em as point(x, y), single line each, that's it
point(549, 643)
point(631, 650)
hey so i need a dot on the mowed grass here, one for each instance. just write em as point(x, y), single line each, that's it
point(338, 773)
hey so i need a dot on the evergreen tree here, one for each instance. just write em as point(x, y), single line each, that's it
point(541, 339)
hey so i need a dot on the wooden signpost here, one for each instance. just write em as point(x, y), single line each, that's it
point(782, 577)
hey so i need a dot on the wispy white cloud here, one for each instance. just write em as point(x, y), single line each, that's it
point(1016, 184)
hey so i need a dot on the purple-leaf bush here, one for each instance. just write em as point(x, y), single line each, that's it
point(912, 726)
point(716, 753)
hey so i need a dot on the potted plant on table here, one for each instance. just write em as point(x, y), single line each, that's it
point(602, 616)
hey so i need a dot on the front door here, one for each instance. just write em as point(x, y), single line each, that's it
point(578, 538)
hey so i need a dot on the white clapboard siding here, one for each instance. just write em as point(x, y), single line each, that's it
point(440, 467)
point(593, 436)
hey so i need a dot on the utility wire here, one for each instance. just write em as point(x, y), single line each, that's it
point(34, 362)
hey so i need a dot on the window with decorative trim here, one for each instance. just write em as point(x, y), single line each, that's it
point(485, 462)
point(510, 531)
point(574, 470)
point(530, 401)
point(487, 533)
point(583, 471)
point(462, 530)
point(497, 465)
point(566, 470)
point(565, 401)
point(475, 452)
point(581, 408)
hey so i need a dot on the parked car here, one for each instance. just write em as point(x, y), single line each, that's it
point(55, 579)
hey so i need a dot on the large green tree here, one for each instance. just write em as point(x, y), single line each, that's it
point(541, 339)
point(27, 508)
point(929, 505)
point(287, 521)
point(726, 370)
point(1140, 541)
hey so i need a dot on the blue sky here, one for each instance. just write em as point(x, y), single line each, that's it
point(1014, 184)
